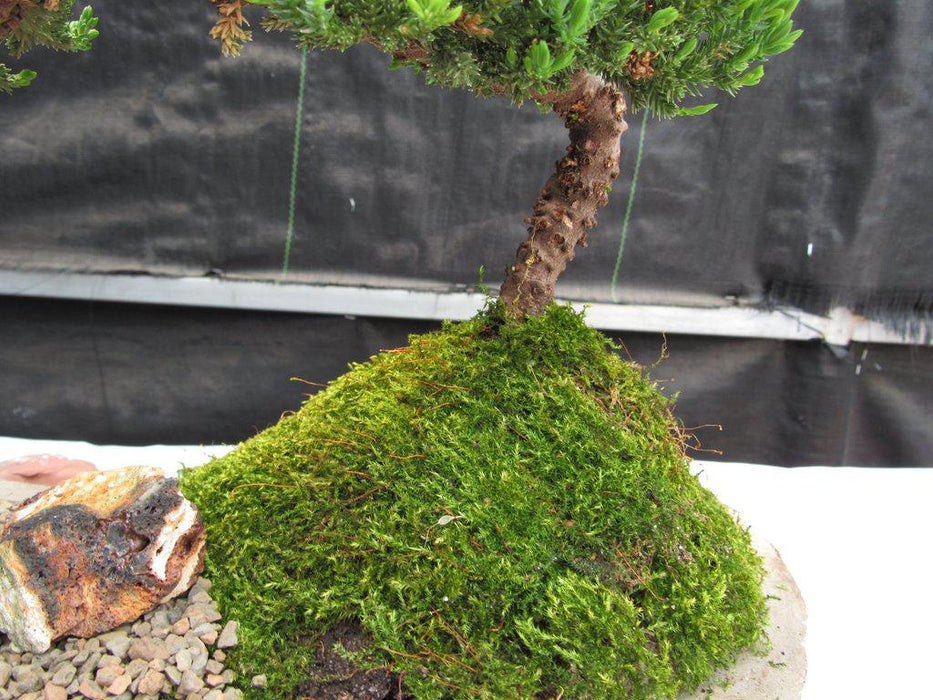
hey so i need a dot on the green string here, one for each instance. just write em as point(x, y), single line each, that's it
point(296, 150)
point(628, 209)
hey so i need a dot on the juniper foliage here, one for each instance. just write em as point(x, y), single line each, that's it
point(660, 52)
point(25, 24)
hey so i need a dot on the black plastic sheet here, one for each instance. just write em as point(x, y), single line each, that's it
point(153, 153)
point(113, 373)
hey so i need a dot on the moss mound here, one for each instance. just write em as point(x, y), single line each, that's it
point(505, 510)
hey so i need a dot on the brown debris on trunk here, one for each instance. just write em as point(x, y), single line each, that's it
point(11, 14)
point(593, 111)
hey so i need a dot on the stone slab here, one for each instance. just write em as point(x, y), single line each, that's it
point(14, 492)
point(782, 672)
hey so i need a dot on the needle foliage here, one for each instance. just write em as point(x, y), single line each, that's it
point(505, 509)
point(658, 51)
point(25, 24)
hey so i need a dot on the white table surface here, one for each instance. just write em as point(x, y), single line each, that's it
point(857, 540)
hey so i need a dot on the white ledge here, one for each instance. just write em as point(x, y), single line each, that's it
point(782, 323)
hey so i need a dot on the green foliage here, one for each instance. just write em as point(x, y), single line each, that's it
point(660, 53)
point(433, 13)
point(505, 508)
point(10, 80)
point(37, 25)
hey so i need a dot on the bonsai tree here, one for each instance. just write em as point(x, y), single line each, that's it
point(502, 508)
point(578, 58)
point(25, 24)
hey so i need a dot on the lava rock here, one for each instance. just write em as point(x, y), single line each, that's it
point(95, 552)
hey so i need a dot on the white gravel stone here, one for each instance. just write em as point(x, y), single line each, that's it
point(151, 683)
point(106, 675)
point(137, 667)
point(183, 659)
point(54, 692)
point(64, 674)
point(120, 684)
point(228, 637)
point(148, 648)
point(173, 674)
point(174, 643)
point(29, 678)
point(118, 643)
point(190, 683)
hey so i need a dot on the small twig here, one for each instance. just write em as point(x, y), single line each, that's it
point(274, 486)
point(308, 382)
point(704, 449)
point(636, 575)
point(437, 385)
point(364, 495)
point(448, 660)
point(467, 647)
point(355, 432)
point(423, 359)
point(342, 443)
point(523, 437)
point(356, 473)
point(400, 653)
point(476, 544)
point(471, 691)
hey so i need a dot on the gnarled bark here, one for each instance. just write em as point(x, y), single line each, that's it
point(593, 111)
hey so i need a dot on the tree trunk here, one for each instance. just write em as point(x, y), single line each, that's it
point(593, 111)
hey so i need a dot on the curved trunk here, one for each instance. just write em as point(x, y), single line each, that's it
point(593, 111)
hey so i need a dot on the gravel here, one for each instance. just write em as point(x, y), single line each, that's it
point(174, 651)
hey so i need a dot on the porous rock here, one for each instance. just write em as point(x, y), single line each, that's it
point(95, 552)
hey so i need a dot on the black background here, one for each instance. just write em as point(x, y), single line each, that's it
point(153, 154)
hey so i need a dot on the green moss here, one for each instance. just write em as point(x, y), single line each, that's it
point(507, 510)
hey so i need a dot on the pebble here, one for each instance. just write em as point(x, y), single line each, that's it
point(190, 683)
point(136, 667)
point(118, 643)
point(64, 675)
point(227, 637)
point(148, 648)
point(54, 692)
point(151, 683)
point(106, 675)
point(90, 689)
point(120, 684)
point(173, 652)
